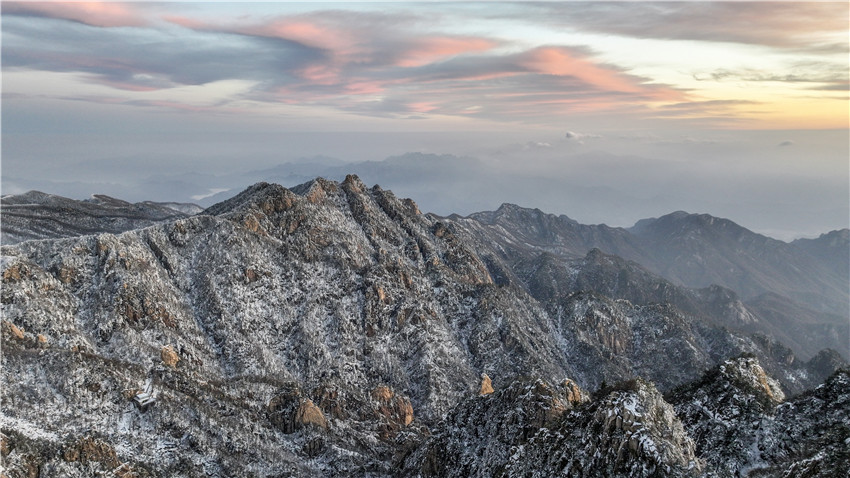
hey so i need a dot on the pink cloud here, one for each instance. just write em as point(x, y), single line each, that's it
point(189, 23)
point(320, 74)
point(307, 33)
point(423, 106)
point(431, 49)
point(98, 14)
point(368, 65)
point(366, 87)
point(562, 62)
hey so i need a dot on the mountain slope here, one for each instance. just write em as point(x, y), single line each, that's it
point(699, 250)
point(318, 331)
point(743, 427)
point(323, 290)
point(832, 249)
point(694, 250)
point(36, 215)
point(729, 270)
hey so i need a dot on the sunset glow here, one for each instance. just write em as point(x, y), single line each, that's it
point(772, 65)
point(647, 82)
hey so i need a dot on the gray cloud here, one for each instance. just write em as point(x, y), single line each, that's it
point(832, 74)
point(147, 58)
point(792, 25)
point(384, 71)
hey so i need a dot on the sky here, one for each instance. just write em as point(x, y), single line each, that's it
point(607, 112)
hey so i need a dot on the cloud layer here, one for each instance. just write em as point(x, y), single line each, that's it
point(601, 110)
point(412, 63)
point(405, 62)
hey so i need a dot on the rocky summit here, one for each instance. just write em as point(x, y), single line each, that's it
point(333, 329)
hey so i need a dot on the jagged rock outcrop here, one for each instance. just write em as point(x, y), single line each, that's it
point(743, 427)
point(809, 435)
point(725, 409)
point(169, 356)
point(627, 430)
point(486, 385)
point(479, 437)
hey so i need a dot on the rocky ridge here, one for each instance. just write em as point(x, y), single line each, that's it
point(743, 426)
point(36, 215)
point(325, 330)
point(704, 265)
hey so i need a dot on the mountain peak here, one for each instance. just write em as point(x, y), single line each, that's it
point(737, 383)
point(107, 201)
point(29, 197)
point(681, 219)
point(746, 372)
point(256, 195)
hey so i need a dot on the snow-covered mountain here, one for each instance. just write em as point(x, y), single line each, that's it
point(36, 215)
point(335, 330)
point(795, 293)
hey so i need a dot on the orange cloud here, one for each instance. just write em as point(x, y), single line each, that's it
point(98, 14)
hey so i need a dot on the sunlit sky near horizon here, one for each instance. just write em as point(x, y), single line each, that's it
point(730, 92)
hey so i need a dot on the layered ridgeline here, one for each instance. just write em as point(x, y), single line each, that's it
point(795, 293)
point(36, 215)
point(334, 330)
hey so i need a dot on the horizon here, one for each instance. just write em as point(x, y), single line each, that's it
point(605, 112)
point(232, 193)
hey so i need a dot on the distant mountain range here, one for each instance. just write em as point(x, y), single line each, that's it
point(795, 291)
point(36, 215)
point(332, 329)
point(446, 184)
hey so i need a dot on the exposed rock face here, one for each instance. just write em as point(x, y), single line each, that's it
point(283, 408)
point(14, 330)
point(169, 356)
point(334, 330)
point(575, 395)
point(394, 412)
point(309, 414)
point(486, 385)
point(91, 450)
